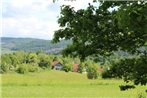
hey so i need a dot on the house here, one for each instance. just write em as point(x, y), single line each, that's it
point(57, 65)
point(101, 69)
point(75, 67)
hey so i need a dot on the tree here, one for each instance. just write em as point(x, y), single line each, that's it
point(92, 72)
point(5, 63)
point(130, 69)
point(32, 58)
point(97, 30)
point(14, 60)
point(45, 60)
point(21, 56)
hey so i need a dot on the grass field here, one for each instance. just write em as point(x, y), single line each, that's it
point(59, 84)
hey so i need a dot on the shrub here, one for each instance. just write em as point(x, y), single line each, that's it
point(4, 67)
point(107, 74)
point(131, 69)
point(126, 87)
point(23, 68)
point(44, 64)
point(33, 68)
point(44, 61)
point(32, 58)
point(67, 67)
point(80, 67)
point(92, 72)
point(5, 63)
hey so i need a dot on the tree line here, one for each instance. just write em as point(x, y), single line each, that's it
point(24, 62)
point(131, 68)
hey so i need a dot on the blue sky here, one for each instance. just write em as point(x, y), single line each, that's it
point(33, 18)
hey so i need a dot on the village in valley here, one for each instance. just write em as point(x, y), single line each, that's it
point(73, 49)
point(57, 65)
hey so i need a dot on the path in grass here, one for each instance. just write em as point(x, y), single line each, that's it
point(59, 84)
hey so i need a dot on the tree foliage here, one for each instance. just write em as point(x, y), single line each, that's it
point(130, 69)
point(97, 30)
point(100, 30)
point(23, 62)
point(44, 60)
point(92, 72)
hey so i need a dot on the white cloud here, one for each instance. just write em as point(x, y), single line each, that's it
point(24, 3)
point(20, 3)
point(29, 27)
point(38, 23)
point(34, 18)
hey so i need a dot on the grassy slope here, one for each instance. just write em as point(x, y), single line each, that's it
point(58, 84)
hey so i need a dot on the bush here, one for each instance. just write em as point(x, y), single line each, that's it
point(5, 67)
point(131, 69)
point(81, 67)
point(92, 72)
point(67, 67)
point(126, 87)
point(107, 74)
point(33, 68)
point(23, 68)
point(44, 61)
point(5, 63)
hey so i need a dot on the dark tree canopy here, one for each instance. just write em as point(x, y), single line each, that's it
point(97, 30)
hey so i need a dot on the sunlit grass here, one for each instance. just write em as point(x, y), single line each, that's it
point(59, 84)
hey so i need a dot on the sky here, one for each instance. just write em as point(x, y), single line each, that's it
point(34, 18)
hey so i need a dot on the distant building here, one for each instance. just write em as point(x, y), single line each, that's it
point(75, 67)
point(101, 69)
point(56, 64)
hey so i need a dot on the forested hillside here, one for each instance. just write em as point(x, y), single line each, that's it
point(30, 44)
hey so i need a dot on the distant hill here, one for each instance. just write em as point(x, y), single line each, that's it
point(31, 44)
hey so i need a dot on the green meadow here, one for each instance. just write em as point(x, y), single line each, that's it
point(59, 84)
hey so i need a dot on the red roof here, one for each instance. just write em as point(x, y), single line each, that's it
point(75, 67)
point(55, 62)
point(101, 69)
